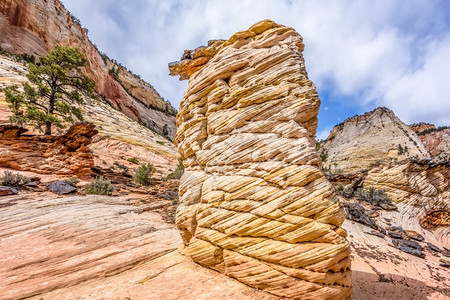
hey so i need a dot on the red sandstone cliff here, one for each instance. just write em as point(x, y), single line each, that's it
point(436, 140)
point(36, 26)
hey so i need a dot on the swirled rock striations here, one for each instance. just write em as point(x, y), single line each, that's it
point(254, 203)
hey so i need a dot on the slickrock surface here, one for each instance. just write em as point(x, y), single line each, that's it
point(381, 271)
point(62, 155)
point(119, 137)
point(254, 203)
point(98, 247)
point(36, 26)
point(366, 141)
point(436, 140)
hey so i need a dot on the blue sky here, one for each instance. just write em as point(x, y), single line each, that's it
point(360, 54)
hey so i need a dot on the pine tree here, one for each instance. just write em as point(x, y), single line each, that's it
point(54, 92)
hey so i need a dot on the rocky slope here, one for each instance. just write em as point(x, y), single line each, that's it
point(119, 137)
point(254, 204)
point(393, 243)
point(436, 140)
point(34, 27)
point(366, 141)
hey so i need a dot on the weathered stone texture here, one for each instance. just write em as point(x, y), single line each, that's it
point(254, 203)
point(63, 155)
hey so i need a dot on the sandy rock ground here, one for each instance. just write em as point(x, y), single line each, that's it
point(99, 247)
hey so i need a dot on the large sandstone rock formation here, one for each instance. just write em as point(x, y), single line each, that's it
point(366, 141)
point(63, 155)
point(35, 27)
point(254, 203)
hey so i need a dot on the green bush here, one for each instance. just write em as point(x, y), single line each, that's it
point(14, 179)
point(373, 196)
point(99, 186)
point(133, 160)
point(178, 171)
point(144, 174)
point(324, 156)
point(346, 192)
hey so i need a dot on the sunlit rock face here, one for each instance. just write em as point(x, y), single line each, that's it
point(254, 203)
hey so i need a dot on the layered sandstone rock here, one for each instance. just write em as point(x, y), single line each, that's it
point(35, 27)
point(436, 140)
point(366, 141)
point(254, 203)
point(422, 184)
point(63, 155)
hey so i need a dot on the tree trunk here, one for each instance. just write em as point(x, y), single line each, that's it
point(51, 107)
point(48, 128)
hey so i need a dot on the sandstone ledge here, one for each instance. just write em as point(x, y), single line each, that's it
point(68, 154)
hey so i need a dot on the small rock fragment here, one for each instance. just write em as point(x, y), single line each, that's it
point(433, 247)
point(388, 206)
point(7, 191)
point(376, 233)
point(411, 234)
point(394, 235)
point(61, 187)
point(357, 213)
point(410, 247)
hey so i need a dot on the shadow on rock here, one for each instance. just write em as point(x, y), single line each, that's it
point(369, 286)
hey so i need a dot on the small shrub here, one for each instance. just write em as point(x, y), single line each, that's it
point(159, 142)
point(346, 192)
point(73, 181)
point(121, 166)
point(179, 170)
point(323, 156)
point(373, 196)
point(99, 186)
point(133, 160)
point(144, 174)
point(14, 179)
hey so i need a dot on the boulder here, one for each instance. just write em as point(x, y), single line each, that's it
point(61, 187)
point(254, 203)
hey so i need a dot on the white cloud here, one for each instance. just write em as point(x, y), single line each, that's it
point(424, 93)
point(385, 52)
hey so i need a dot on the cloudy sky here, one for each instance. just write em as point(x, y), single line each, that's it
point(360, 54)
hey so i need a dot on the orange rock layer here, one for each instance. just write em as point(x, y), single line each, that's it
point(63, 155)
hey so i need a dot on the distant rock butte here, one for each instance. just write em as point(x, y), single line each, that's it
point(370, 140)
point(62, 155)
point(254, 204)
point(36, 26)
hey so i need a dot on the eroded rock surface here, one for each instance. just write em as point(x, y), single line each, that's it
point(375, 138)
point(436, 140)
point(63, 155)
point(254, 203)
